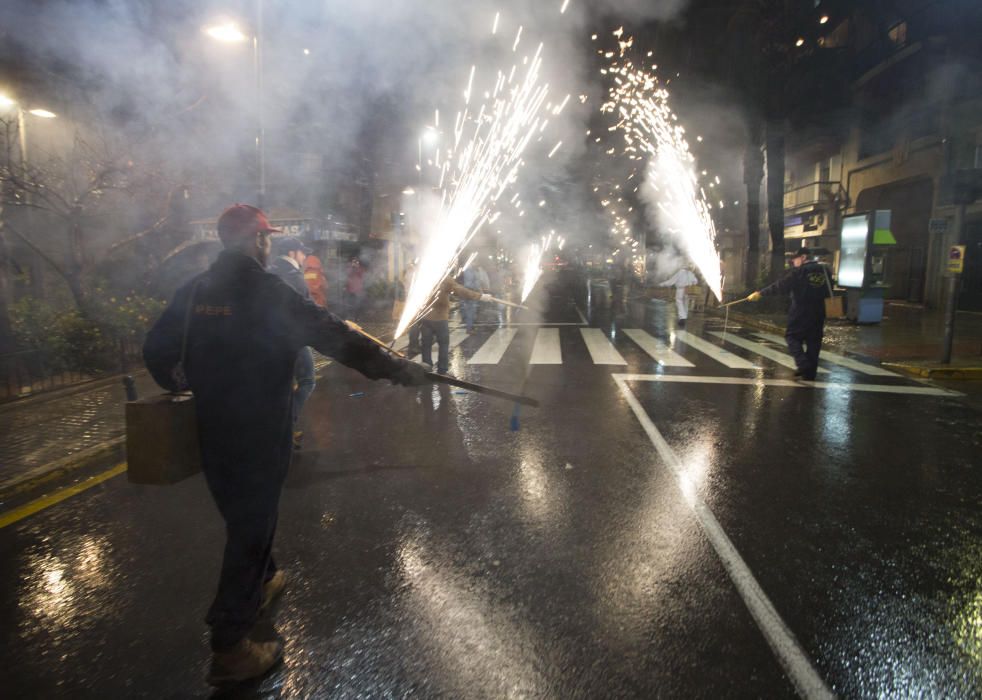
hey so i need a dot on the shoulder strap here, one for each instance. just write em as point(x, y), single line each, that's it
point(187, 321)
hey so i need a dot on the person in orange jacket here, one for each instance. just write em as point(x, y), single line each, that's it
point(313, 275)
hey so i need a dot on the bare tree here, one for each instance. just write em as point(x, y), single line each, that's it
point(75, 197)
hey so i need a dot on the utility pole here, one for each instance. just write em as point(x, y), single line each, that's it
point(964, 187)
point(951, 298)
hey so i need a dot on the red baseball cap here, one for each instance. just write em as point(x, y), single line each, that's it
point(241, 220)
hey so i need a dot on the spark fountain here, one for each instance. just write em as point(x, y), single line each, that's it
point(651, 129)
point(533, 265)
point(483, 160)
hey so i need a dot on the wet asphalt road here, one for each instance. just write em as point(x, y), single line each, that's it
point(638, 536)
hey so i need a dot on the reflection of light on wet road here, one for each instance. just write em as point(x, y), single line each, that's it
point(837, 420)
point(537, 495)
point(968, 629)
point(481, 645)
point(61, 589)
point(651, 547)
point(695, 467)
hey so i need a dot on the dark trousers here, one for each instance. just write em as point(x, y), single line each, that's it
point(247, 495)
point(441, 331)
point(303, 373)
point(804, 344)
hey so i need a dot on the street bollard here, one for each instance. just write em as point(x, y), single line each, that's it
point(130, 387)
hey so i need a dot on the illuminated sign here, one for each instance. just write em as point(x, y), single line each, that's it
point(956, 260)
point(852, 258)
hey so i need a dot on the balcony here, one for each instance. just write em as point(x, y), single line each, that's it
point(818, 195)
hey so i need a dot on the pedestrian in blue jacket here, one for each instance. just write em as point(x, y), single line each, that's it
point(288, 266)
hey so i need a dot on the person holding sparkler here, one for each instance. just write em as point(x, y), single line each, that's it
point(436, 322)
point(809, 286)
point(232, 336)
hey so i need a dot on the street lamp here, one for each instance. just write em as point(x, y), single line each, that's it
point(8, 102)
point(228, 32)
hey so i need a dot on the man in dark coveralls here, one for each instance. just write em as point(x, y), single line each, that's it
point(809, 286)
point(246, 328)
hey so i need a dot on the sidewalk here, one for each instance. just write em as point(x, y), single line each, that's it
point(908, 339)
point(57, 432)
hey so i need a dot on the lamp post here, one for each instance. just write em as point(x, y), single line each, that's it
point(8, 103)
point(229, 32)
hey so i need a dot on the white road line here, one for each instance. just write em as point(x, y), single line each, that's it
point(781, 639)
point(830, 386)
point(719, 354)
point(657, 349)
point(494, 347)
point(456, 338)
point(580, 314)
point(601, 349)
point(762, 350)
point(546, 350)
point(838, 359)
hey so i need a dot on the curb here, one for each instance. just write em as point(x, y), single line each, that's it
point(54, 395)
point(44, 473)
point(936, 372)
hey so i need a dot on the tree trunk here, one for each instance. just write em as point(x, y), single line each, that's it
point(775, 195)
point(753, 173)
point(6, 331)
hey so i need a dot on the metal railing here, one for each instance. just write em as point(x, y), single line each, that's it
point(30, 372)
point(818, 194)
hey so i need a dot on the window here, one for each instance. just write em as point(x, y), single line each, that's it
point(898, 33)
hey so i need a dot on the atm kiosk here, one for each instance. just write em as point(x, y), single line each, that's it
point(865, 237)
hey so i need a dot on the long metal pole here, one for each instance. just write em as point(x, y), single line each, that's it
point(952, 298)
point(257, 49)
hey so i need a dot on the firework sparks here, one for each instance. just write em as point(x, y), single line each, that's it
point(650, 127)
point(533, 265)
point(484, 159)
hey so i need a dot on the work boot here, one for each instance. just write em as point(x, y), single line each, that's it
point(273, 588)
point(247, 659)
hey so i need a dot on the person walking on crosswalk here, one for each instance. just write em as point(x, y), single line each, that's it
point(436, 323)
point(809, 286)
point(680, 280)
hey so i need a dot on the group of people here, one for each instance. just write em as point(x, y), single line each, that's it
point(239, 336)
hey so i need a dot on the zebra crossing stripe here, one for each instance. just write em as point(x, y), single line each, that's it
point(602, 351)
point(494, 347)
point(719, 354)
point(762, 350)
point(546, 350)
point(657, 349)
point(838, 359)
